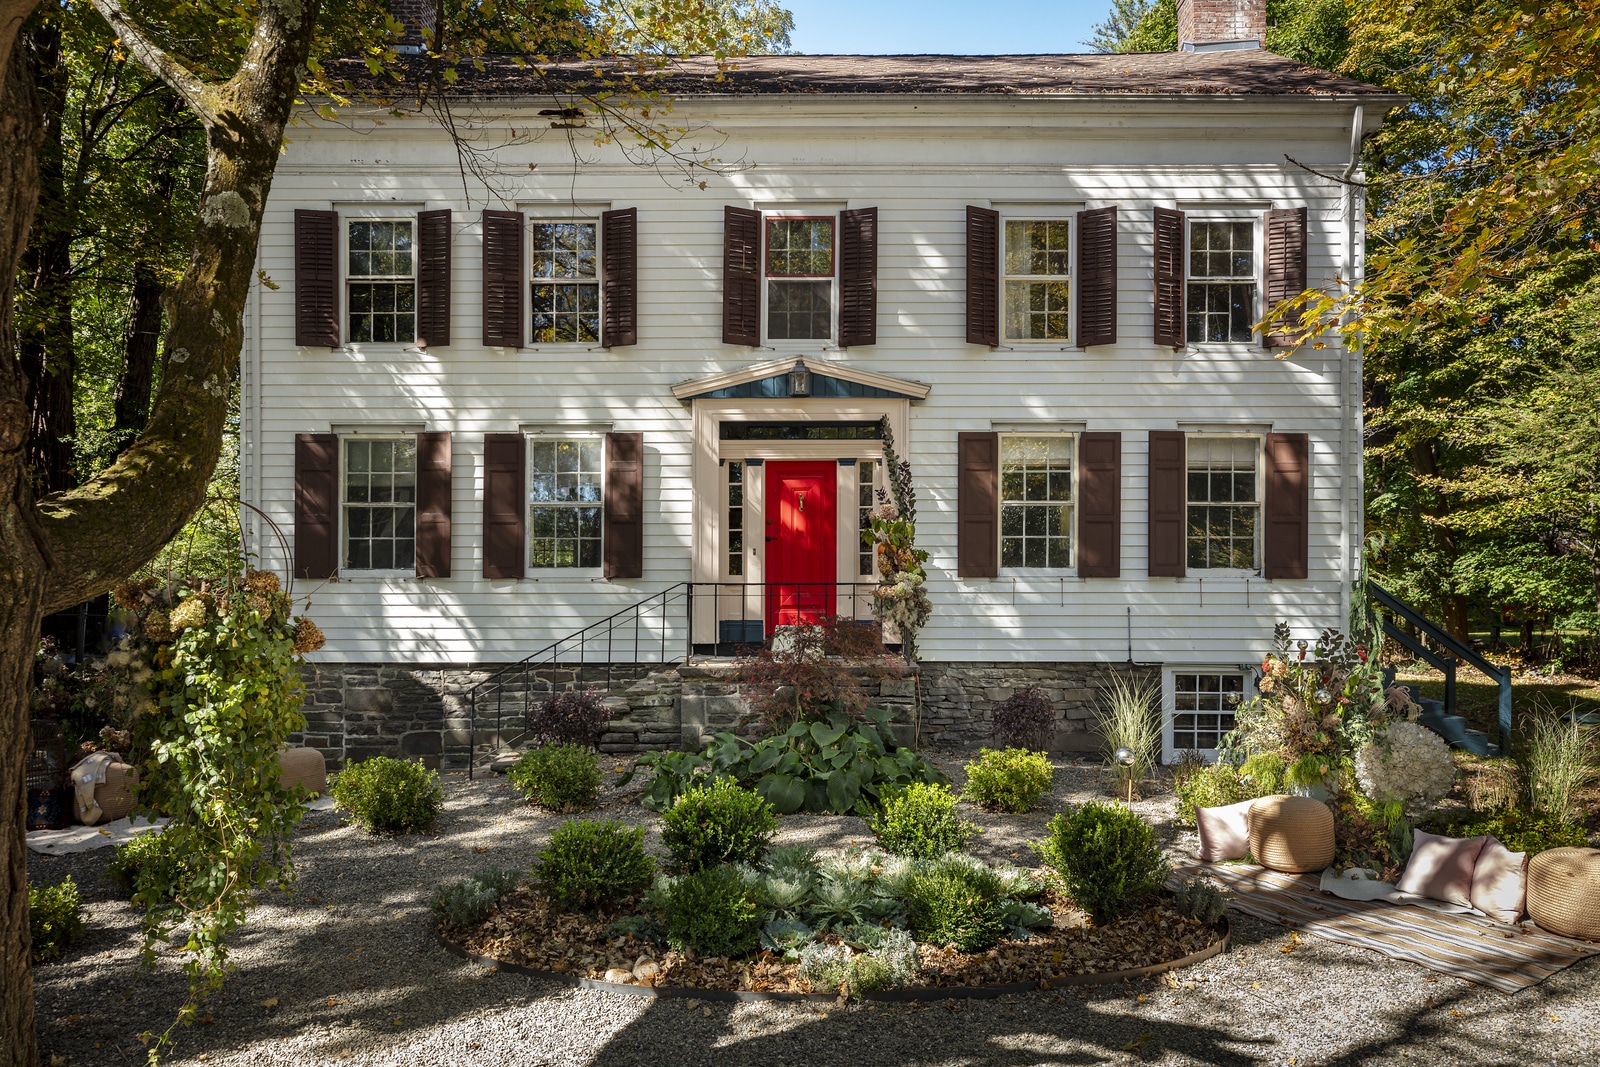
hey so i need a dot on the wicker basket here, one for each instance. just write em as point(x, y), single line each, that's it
point(1564, 892)
point(304, 767)
point(1293, 834)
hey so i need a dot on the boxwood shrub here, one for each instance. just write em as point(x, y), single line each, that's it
point(1011, 779)
point(1107, 856)
point(55, 918)
point(384, 794)
point(920, 821)
point(717, 911)
point(591, 863)
point(564, 778)
point(717, 822)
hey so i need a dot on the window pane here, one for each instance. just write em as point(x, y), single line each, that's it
point(799, 247)
point(799, 310)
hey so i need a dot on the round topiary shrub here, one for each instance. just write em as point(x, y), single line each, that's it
point(1025, 719)
point(920, 821)
point(1107, 856)
point(717, 911)
point(55, 918)
point(384, 794)
point(1010, 780)
point(956, 904)
point(718, 822)
point(590, 863)
point(131, 858)
point(563, 778)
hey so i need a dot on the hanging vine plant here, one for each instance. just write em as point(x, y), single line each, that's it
point(901, 596)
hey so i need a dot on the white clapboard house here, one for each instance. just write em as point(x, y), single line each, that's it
point(485, 412)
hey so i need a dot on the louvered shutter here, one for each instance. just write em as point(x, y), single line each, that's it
point(1168, 504)
point(978, 505)
point(503, 281)
point(1169, 278)
point(623, 549)
point(505, 505)
point(1287, 506)
point(1097, 277)
point(316, 279)
point(1286, 265)
point(983, 276)
point(433, 278)
point(316, 502)
point(858, 277)
point(619, 304)
point(1100, 505)
point(741, 277)
point(433, 505)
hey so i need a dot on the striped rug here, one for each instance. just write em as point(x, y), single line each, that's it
point(1507, 958)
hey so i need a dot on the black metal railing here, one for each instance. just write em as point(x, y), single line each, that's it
point(666, 627)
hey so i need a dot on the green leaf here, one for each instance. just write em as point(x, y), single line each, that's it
point(825, 736)
point(783, 792)
point(843, 791)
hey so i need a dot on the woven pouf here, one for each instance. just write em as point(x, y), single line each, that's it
point(1293, 834)
point(1564, 892)
point(304, 767)
point(114, 796)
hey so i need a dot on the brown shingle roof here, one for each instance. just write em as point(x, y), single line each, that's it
point(1232, 73)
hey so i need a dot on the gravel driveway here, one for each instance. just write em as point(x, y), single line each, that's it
point(346, 971)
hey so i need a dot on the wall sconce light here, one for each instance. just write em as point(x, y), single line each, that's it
point(800, 380)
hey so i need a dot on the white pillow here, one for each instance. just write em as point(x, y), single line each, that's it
point(1500, 882)
point(1441, 868)
point(1224, 832)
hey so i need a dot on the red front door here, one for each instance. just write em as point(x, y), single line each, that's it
point(802, 542)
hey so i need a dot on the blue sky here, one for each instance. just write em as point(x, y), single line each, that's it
point(878, 26)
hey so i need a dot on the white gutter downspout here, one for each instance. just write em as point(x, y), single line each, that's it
point(1351, 432)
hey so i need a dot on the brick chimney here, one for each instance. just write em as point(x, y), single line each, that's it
point(1221, 25)
point(416, 16)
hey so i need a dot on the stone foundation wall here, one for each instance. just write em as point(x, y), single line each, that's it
point(354, 711)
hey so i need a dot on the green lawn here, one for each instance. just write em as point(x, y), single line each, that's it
point(1478, 699)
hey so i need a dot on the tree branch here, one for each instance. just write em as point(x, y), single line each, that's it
point(156, 60)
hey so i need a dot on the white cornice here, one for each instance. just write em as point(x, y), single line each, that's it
point(756, 371)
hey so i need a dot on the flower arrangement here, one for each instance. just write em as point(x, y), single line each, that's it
point(1406, 764)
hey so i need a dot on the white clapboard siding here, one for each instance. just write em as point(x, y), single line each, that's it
point(920, 163)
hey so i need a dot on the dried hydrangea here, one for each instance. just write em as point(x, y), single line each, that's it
point(133, 594)
point(1407, 764)
point(260, 604)
point(262, 582)
point(188, 615)
point(157, 626)
point(308, 636)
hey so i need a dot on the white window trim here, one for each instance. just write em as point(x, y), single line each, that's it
point(1072, 545)
point(345, 279)
point(372, 572)
point(532, 217)
point(1254, 215)
point(1072, 280)
point(555, 573)
point(801, 211)
point(1261, 506)
point(1169, 750)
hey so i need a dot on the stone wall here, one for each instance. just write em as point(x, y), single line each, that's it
point(354, 710)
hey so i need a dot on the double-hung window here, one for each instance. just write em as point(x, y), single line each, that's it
point(564, 265)
point(799, 278)
point(1036, 500)
point(1038, 286)
point(379, 490)
point(565, 502)
point(1221, 298)
point(1203, 707)
point(1224, 502)
point(382, 280)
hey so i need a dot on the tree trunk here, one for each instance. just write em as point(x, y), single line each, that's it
point(139, 348)
point(71, 546)
point(22, 563)
point(45, 338)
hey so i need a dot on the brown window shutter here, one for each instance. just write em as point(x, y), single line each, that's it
point(1168, 504)
point(978, 505)
point(983, 276)
point(1100, 505)
point(623, 549)
point(505, 505)
point(316, 279)
point(503, 281)
point(741, 276)
point(1286, 265)
point(619, 304)
point(858, 277)
point(1097, 277)
point(1287, 504)
point(433, 505)
point(1169, 278)
point(316, 503)
point(433, 279)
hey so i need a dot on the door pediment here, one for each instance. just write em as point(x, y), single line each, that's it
point(827, 380)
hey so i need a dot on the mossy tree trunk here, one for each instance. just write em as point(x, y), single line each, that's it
point(66, 547)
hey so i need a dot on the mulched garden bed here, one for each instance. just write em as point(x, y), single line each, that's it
point(525, 931)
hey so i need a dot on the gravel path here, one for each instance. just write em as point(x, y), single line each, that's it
point(346, 971)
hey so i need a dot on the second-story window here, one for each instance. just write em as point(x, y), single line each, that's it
point(564, 266)
point(1221, 300)
point(799, 270)
point(1038, 287)
point(382, 279)
point(565, 501)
